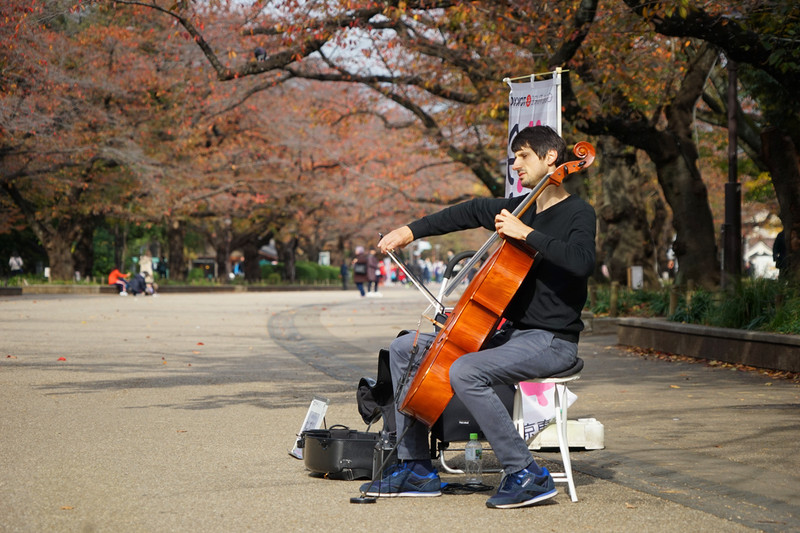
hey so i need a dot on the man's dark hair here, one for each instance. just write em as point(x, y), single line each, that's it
point(541, 139)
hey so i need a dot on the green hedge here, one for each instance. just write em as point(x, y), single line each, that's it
point(630, 302)
point(270, 271)
point(310, 272)
point(305, 272)
point(757, 304)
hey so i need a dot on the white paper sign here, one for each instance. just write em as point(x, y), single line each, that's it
point(314, 417)
point(538, 406)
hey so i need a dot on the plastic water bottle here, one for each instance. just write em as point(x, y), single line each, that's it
point(473, 455)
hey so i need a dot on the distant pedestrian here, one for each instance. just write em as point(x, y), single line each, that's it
point(15, 264)
point(146, 263)
point(345, 273)
point(161, 268)
point(779, 252)
point(373, 273)
point(360, 269)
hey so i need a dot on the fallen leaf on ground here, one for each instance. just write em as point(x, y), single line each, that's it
point(648, 353)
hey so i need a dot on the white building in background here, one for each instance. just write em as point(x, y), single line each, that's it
point(759, 255)
point(759, 231)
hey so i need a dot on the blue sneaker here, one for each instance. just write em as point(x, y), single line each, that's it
point(402, 481)
point(523, 488)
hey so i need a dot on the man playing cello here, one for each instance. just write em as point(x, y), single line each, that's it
point(539, 339)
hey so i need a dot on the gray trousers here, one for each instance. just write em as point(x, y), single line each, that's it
point(512, 356)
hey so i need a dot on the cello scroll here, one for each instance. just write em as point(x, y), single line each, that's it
point(585, 151)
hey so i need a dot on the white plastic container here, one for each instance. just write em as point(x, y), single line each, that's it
point(586, 433)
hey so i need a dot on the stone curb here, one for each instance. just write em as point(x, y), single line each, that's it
point(752, 348)
point(106, 289)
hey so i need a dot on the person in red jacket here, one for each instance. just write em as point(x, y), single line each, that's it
point(120, 280)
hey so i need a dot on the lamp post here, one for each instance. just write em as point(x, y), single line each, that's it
point(732, 228)
point(228, 239)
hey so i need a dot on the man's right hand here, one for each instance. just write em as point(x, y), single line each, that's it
point(396, 239)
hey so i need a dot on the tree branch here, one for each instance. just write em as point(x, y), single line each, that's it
point(581, 25)
point(738, 42)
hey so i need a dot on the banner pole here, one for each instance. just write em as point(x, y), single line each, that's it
point(537, 75)
point(557, 78)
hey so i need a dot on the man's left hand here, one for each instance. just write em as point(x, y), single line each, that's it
point(507, 225)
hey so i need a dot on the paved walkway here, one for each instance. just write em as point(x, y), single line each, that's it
point(176, 413)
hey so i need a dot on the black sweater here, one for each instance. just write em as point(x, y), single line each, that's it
point(554, 292)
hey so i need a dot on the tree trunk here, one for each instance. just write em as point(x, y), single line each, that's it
point(624, 236)
point(287, 251)
point(56, 235)
point(83, 256)
point(57, 238)
point(312, 250)
point(120, 244)
point(695, 245)
point(59, 256)
point(220, 240)
point(676, 165)
point(176, 231)
point(781, 156)
point(674, 154)
point(252, 269)
point(222, 257)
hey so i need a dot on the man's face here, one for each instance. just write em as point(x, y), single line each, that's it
point(530, 167)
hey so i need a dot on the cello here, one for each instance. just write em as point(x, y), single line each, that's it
point(480, 308)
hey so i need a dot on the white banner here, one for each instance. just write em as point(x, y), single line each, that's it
point(531, 103)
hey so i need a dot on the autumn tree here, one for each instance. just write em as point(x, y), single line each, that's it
point(464, 51)
point(761, 37)
point(441, 63)
point(64, 152)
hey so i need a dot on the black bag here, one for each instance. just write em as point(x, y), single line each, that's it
point(339, 452)
point(456, 422)
point(360, 269)
point(375, 397)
